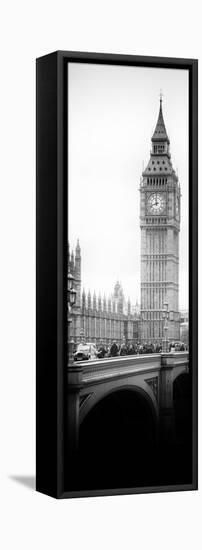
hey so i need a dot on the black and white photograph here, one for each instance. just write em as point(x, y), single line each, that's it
point(100, 226)
point(129, 391)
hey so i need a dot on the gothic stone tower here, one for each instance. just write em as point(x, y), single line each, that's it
point(74, 261)
point(160, 226)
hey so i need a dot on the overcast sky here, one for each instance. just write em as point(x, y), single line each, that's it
point(112, 113)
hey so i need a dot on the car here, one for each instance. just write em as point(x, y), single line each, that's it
point(85, 352)
point(177, 346)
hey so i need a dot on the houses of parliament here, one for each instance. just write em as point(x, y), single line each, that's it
point(99, 319)
point(113, 319)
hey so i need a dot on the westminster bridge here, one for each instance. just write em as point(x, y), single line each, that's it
point(122, 412)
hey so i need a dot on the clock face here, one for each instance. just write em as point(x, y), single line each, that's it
point(156, 203)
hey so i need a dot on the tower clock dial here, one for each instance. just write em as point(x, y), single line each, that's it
point(156, 203)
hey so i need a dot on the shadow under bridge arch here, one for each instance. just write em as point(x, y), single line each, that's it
point(118, 440)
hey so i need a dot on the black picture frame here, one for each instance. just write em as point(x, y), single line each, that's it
point(51, 259)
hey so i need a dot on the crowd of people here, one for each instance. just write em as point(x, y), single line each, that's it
point(133, 349)
point(128, 349)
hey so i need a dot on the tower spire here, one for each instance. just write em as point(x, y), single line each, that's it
point(160, 133)
point(161, 96)
point(78, 249)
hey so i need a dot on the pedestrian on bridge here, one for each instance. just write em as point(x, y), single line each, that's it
point(114, 350)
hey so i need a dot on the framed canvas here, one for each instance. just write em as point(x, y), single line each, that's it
point(116, 374)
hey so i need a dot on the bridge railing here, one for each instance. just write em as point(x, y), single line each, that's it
point(136, 360)
point(100, 369)
point(122, 365)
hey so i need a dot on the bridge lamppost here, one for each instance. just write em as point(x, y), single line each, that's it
point(71, 299)
point(165, 347)
point(82, 336)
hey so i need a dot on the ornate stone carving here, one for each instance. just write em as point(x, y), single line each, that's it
point(84, 398)
point(154, 385)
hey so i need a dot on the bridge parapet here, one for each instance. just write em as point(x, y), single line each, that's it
point(175, 358)
point(87, 372)
point(111, 368)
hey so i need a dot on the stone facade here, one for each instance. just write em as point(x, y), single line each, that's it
point(160, 225)
point(184, 326)
point(98, 319)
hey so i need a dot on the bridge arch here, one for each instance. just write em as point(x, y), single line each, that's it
point(180, 370)
point(118, 434)
point(182, 400)
point(97, 394)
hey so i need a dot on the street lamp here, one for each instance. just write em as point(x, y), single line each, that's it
point(165, 328)
point(71, 299)
point(82, 336)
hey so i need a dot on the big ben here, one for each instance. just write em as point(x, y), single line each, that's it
point(160, 227)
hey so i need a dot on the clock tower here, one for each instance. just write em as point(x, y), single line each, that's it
point(160, 226)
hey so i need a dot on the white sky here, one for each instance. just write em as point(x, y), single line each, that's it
point(112, 113)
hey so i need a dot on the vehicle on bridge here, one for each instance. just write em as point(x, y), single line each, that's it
point(177, 346)
point(86, 352)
